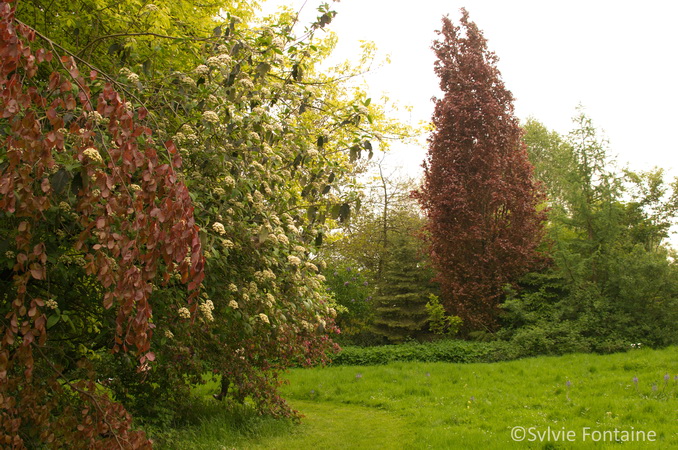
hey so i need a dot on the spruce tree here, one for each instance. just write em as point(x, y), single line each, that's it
point(405, 284)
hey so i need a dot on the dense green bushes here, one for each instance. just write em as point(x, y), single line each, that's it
point(453, 351)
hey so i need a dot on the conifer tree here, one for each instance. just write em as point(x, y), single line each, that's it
point(404, 287)
point(478, 192)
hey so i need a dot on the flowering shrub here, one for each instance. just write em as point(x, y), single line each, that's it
point(112, 253)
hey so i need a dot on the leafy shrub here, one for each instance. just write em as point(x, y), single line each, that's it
point(453, 351)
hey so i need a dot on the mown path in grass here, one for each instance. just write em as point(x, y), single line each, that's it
point(339, 426)
point(442, 406)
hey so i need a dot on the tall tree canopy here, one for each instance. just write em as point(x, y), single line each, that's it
point(612, 281)
point(478, 191)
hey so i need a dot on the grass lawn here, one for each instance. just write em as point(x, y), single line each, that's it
point(573, 401)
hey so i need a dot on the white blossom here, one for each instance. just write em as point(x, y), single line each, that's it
point(93, 155)
point(219, 228)
point(210, 116)
point(184, 313)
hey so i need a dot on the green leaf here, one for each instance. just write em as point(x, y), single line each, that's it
point(60, 180)
point(355, 153)
point(262, 69)
point(344, 212)
point(336, 209)
point(52, 320)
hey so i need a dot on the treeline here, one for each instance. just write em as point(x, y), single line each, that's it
point(531, 237)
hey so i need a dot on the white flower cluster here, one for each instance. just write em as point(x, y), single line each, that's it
point(264, 318)
point(96, 117)
point(246, 84)
point(206, 309)
point(219, 228)
point(64, 207)
point(210, 117)
point(293, 260)
point(78, 260)
point(264, 275)
point(202, 69)
point(233, 304)
point(51, 304)
point(169, 334)
point(222, 60)
point(306, 326)
point(93, 155)
point(219, 191)
point(184, 313)
point(299, 248)
point(232, 287)
point(229, 181)
point(134, 187)
point(278, 42)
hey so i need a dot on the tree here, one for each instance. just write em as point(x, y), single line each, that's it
point(381, 243)
point(478, 193)
point(404, 285)
point(611, 282)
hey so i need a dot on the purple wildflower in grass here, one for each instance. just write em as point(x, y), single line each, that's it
point(654, 387)
point(358, 376)
point(667, 377)
point(428, 374)
point(346, 283)
point(568, 383)
point(635, 381)
point(473, 399)
point(366, 283)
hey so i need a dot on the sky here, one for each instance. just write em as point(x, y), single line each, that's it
point(615, 58)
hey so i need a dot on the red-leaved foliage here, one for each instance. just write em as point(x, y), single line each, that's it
point(478, 192)
point(134, 220)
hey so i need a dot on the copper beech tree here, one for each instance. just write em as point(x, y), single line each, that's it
point(478, 193)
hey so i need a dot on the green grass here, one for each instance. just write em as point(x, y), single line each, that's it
point(442, 405)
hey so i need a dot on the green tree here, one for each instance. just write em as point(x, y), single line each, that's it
point(404, 286)
point(382, 242)
point(611, 282)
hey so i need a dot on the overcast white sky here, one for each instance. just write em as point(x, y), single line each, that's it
point(617, 58)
